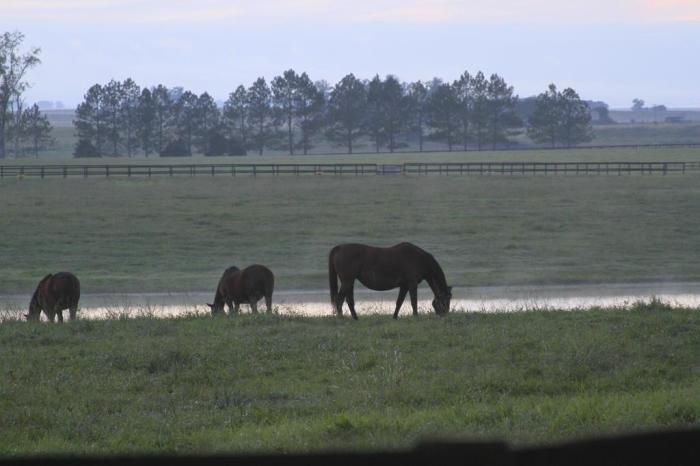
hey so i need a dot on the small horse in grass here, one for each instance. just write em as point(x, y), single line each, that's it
point(401, 266)
point(55, 293)
point(238, 287)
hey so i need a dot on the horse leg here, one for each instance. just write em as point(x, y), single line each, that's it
point(60, 316)
point(237, 308)
point(229, 303)
point(413, 290)
point(254, 305)
point(399, 300)
point(268, 302)
point(351, 300)
point(73, 312)
point(51, 315)
point(342, 293)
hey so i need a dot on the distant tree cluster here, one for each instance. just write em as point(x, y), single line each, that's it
point(23, 131)
point(294, 113)
point(560, 118)
point(121, 118)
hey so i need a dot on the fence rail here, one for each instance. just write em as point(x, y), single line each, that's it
point(347, 169)
point(107, 171)
point(546, 168)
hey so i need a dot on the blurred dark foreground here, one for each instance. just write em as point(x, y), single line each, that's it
point(663, 448)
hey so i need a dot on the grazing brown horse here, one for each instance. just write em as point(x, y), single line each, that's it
point(55, 293)
point(401, 266)
point(238, 287)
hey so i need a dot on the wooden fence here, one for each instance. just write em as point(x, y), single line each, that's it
point(107, 171)
point(549, 168)
point(349, 169)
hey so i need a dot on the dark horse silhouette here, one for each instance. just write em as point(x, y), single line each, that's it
point(401, 266)
point(54, 294)
point(238, 287)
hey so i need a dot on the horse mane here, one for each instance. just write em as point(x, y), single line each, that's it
point(231, 269)
point(35, 296)
point(436, 273)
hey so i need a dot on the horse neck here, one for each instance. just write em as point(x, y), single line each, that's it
point(436, 277)
point(218, 298)
point(35, 304)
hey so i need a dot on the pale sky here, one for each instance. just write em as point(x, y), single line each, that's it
point(611, 50)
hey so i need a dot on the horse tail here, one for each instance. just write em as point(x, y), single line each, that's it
point(269, 284)
point(333, 276)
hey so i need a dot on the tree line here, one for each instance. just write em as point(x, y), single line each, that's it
point(294, 114)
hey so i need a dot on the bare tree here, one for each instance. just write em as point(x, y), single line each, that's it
point(13, 67)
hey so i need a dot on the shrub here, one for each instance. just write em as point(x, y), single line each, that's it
point(176, 148)
point(219, 145)
point(84, 148)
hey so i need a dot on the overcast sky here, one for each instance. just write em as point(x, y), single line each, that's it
point(611, 50)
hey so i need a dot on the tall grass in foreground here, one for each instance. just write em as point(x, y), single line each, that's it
point(283, 383)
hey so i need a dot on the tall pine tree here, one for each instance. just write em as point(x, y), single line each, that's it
point(347, 109)
point(260, 120)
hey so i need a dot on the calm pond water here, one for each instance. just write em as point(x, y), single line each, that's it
point(316, 302)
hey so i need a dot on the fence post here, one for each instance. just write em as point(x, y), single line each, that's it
point(170, 169)
point(42, 172)
point(106, 171)
point(255, 170)
point(149, 172)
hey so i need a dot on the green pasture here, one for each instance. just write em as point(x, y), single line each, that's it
point(573, 155)
point(162, 234)
point(627, 133)
point(288, 384)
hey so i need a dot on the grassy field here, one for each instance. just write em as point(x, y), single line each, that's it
point(179, 234)
point(638, 133)
point(273, 383)
point(626, 133)
point(580, 155)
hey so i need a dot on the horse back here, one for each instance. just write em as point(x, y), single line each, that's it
point(62, 288)
point(258, 280)
point(401, 262)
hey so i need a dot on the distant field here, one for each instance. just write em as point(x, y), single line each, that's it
point(290, 384)
point(179, 234)
point(583, 155)
point(662, 133)
point(625, 133)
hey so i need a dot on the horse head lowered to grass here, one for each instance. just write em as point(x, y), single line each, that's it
point(245, 286)
point(53, 294)
point(401, 266)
